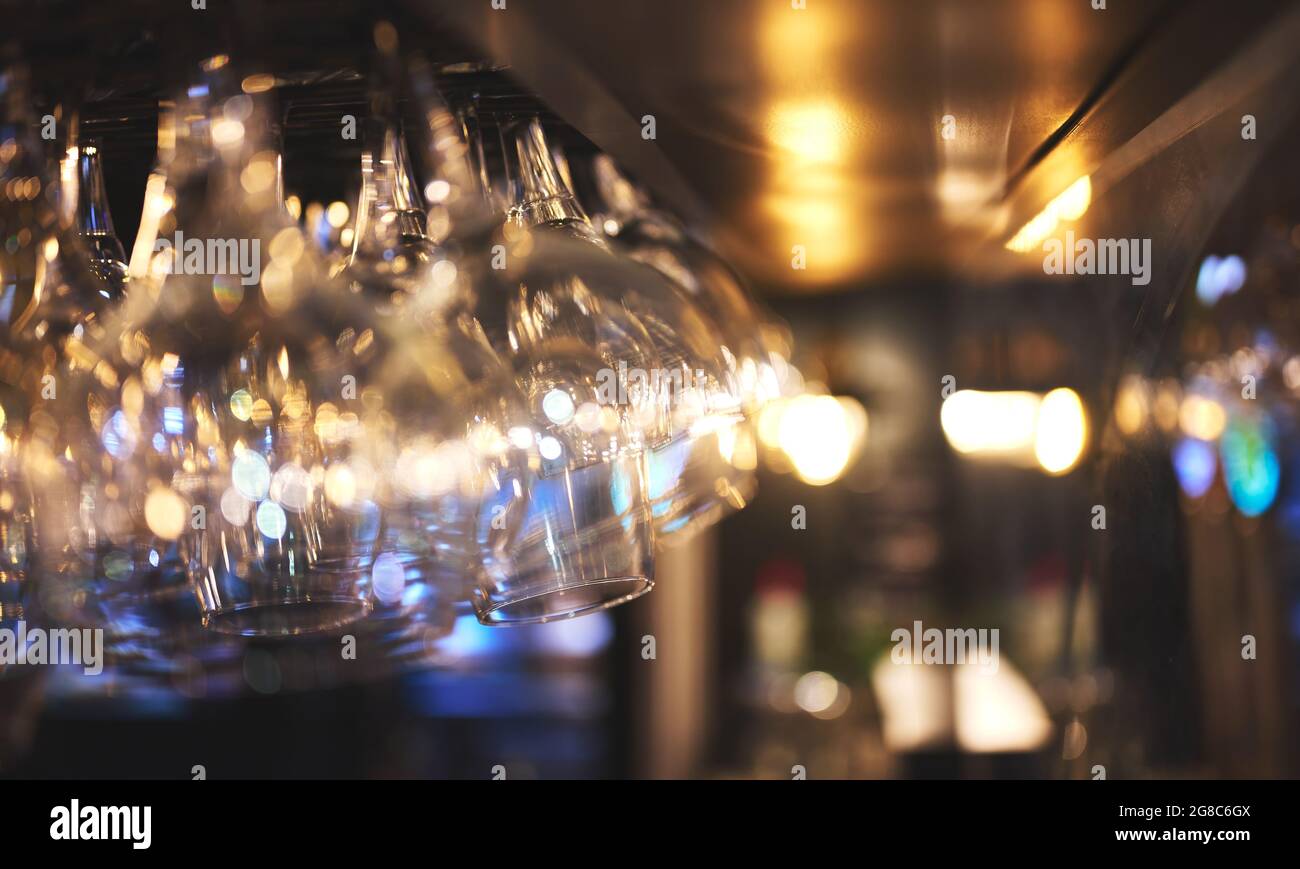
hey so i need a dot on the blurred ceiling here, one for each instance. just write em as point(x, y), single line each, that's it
point(884, 137)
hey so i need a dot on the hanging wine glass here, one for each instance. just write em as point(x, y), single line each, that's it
point(132, 584)
point(395, 266)
point(93, 219)
point(48, 297)
point(420, 265)
point(727, 455)
point(222, 398)
point(453, 423)
point(283, 413)
point(691, 480)
point(566, 531)
point(97, 570)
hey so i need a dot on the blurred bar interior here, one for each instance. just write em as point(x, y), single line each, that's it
point(1000, 425)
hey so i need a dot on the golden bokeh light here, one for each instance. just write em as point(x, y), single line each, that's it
point(165, 512)
point(1019, 428)
point(1061, 431)
point(820, 434)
